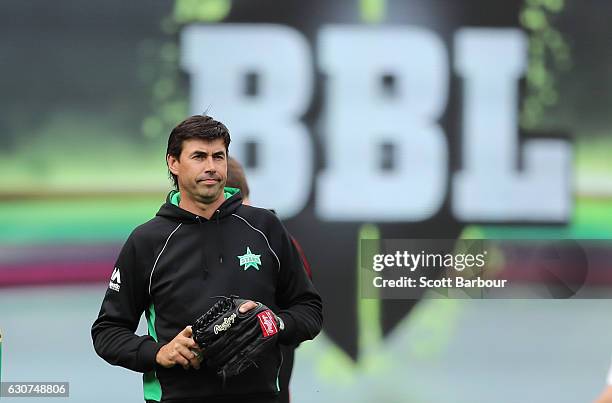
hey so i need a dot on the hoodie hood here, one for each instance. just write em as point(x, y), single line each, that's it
point(170, 209)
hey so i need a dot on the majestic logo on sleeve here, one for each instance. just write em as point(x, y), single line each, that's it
point(115, 281)
point(249, 259)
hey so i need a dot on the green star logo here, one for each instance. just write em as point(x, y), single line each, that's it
point(249, 259)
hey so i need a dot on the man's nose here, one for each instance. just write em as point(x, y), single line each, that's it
point(209, 165)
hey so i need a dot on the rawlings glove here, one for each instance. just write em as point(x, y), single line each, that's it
point(232, 341)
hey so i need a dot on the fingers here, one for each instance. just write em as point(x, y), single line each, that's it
point(187, 358)
point(169, 356)
point(247, 306)
point(181, 360)
point(182, 350)
point(196, 360)
point(187, 332)
point(188, 342)
point(184, 338)
point(188, 349)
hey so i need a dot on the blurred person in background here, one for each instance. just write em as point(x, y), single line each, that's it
point(172, 268)
point(606, 394)
point(236, 178)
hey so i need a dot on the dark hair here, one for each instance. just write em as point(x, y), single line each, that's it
point(195, 127)
point(236, 177)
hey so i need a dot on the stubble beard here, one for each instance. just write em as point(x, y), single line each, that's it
point(210, 194)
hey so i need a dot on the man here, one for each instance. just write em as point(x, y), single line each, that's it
point(237, 179)
point(174, 266)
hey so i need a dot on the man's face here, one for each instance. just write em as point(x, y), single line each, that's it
point(201, 169)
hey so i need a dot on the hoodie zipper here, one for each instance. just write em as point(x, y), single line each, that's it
point(218, 238)
point(220, 233)
point(202, 249)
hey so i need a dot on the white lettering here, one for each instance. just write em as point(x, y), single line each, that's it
point(361, 116)
point(219, 59)
point(227, 323)
point(490, 187)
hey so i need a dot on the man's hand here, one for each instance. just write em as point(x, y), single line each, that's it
point(182, 350)
point(247, 306)
point(234, 333)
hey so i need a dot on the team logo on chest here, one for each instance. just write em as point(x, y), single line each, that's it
point(249, 260)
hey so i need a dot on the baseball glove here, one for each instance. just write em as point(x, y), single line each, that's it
point(232, 341)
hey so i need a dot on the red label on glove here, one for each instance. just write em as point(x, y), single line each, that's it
point(267, 321)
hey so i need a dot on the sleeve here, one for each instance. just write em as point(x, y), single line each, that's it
point(305, 261)
point(124, 302)
point(301, 308)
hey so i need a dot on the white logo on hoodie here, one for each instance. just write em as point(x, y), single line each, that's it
point(115, 281)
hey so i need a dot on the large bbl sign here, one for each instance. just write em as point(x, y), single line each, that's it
point(410, 124)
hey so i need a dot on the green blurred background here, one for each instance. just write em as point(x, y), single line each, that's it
point(88, 95)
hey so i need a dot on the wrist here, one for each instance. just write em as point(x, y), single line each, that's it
point(148, 354)
point(158, 356)
point(281, 323)
point(287, 335)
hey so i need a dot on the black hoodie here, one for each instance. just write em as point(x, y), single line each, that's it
point(173, 266)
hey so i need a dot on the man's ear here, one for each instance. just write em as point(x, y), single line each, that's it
point(173, 163)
